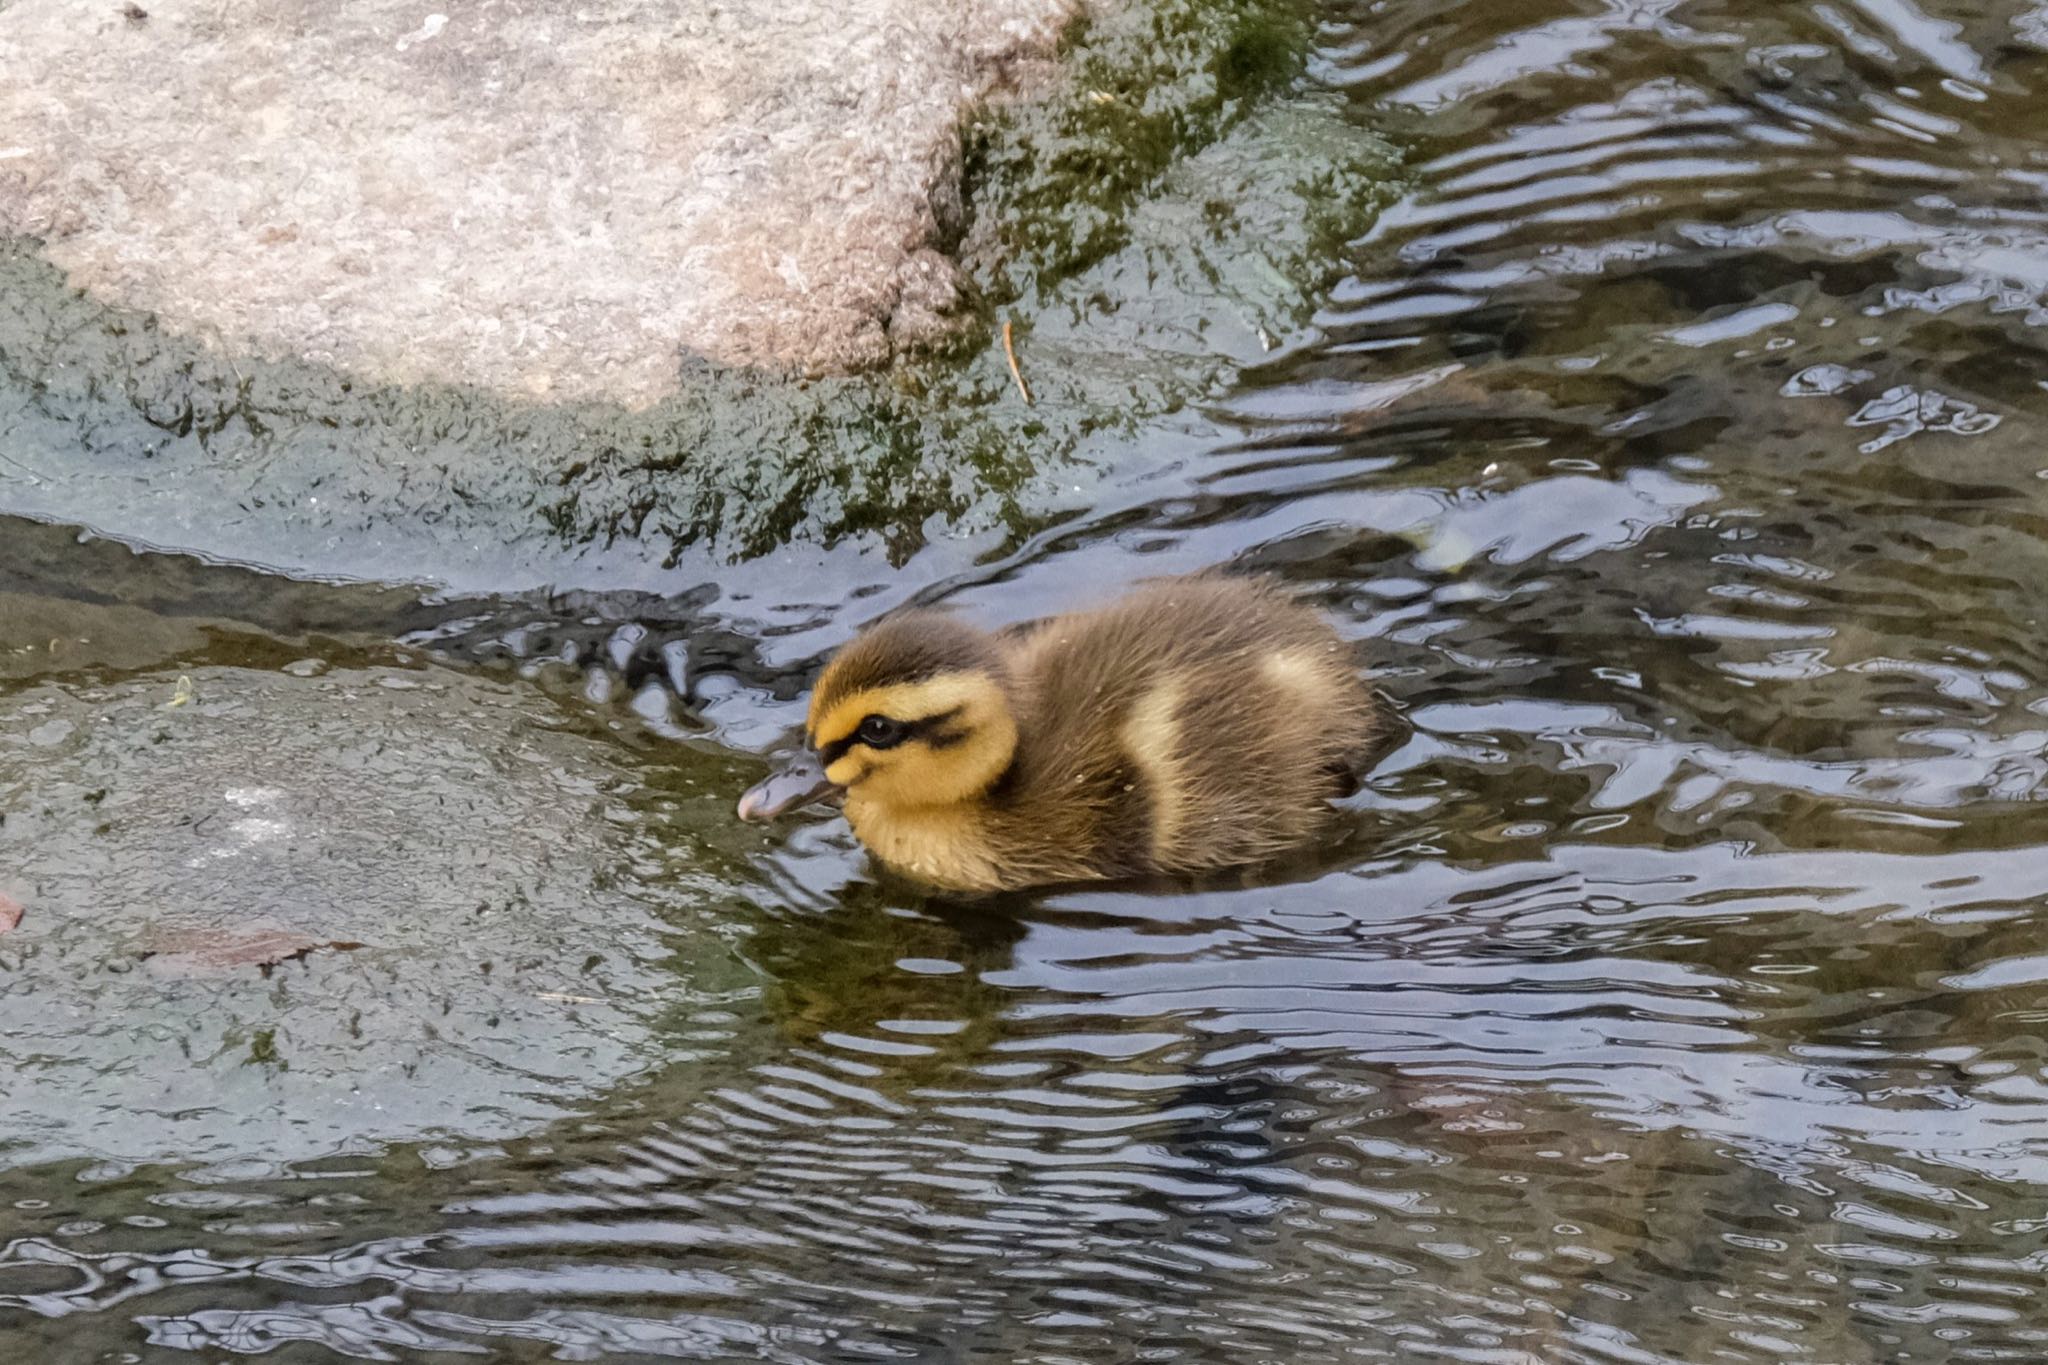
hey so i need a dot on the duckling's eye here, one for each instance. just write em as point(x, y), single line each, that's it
point(880, 732)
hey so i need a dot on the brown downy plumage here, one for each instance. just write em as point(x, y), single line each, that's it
point(1200, 723)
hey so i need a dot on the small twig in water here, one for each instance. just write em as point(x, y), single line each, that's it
point(1010, 354)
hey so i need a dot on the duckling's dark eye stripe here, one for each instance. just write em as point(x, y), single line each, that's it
point(929, 728)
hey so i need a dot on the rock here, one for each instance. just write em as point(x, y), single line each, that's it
point(1148, 226)
point(537, 200)
point(275, 916)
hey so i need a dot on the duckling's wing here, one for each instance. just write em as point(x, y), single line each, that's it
point(1018, 632)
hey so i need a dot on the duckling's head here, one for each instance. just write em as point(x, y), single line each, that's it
point(915, 712)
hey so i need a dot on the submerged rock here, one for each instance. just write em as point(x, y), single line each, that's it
point(279, 914)
point(535, 200)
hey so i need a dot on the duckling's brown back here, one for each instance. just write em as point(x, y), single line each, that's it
point(1197, 724)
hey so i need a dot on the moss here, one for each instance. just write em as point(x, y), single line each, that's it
point(1052, 182)
point(263, 1050)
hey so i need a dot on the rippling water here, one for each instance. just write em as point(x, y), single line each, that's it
point(1679, 994)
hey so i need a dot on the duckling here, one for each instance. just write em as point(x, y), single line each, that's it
point(1198, 724)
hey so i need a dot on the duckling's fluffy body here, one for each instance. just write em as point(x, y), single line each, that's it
point(1199, 723)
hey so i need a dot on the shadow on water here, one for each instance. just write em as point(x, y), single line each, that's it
point(1676, 992)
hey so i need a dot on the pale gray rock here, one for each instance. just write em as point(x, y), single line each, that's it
point(541, 200)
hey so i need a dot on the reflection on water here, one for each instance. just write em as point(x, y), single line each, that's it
point(1678, 994)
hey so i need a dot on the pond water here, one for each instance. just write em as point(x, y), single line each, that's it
point(1673, 445)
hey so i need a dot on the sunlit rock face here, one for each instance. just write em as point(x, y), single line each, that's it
point(551, 201)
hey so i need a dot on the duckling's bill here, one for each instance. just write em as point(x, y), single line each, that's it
point(802, 783)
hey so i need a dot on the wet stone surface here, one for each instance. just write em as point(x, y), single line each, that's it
point(286, 913)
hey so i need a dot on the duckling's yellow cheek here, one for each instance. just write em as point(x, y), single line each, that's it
point(901, 777)
point(848, 770)
point(941, 845)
